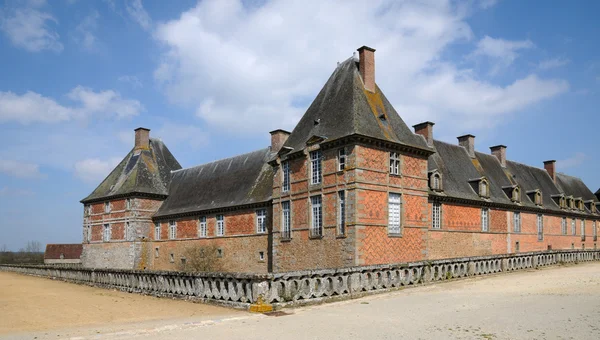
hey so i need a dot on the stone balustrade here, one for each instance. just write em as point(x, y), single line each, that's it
point(301, 287)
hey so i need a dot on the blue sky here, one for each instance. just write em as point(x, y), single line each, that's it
point(212, 78)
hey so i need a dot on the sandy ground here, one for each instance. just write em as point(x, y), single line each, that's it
point(553, 303)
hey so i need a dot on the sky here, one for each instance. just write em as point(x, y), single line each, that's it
point(212, 78)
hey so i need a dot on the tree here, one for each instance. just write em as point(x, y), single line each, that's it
point(33, 247)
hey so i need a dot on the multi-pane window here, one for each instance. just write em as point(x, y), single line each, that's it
point(106, 207)
point(394, 213)
point(436, 182)
point(573, 227)
point(394, 163)
point(220, 225)
point(583, 229)
point(540, 226)
point(517, 222)
point(128, 203)
point(485, 219)
point(563, 225)
point(286, 217)
point(341, 159)
point(436, 215)
point(87, 210)
point(172, 230)
point(316, 226)
point(261, 221)
point(594, 231)
point(484, 189)
point(202, 226)
point(341, 212)
point(315, 167)
point(106, 233)
point(286, 176)
point(157, 231)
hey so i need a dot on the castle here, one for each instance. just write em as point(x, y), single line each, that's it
point(350, 185)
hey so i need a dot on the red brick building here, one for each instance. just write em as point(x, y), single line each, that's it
point(350, 185)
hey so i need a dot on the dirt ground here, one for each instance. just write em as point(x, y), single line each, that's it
point(34, 304)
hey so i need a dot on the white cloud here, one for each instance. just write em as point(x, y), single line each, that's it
point(85, 32)
point(136, 11)
point(485, 4)
point(502, 52)
point(571, 162)
point(553, 63)
point(175, 134)
point(248, 69)
point(12, 192)
point(32, 107)
point(20, 169)
point(94, 170)
point(30, 27)
point(134, 81)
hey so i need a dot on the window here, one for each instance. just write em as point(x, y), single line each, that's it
point(106, 207)
point(220, 225)
point(517, 247)
point(540, 227)
point(583, 230)
point(172, 230)
point(316, 226)
point(261, 256)
point(171, 258)
point(485, 219)
point(126, 231)
point(517, 222)
point(538, 198)
point(286, 176)
point(87, 211)
point(436, 182)
point(516, 195)
point(89, 233)
point(156, 252)
point(202, 227)
point(157, 231)
point(219, 252)
point(394, 213)
point(261, 221)
point(315, 167)
point(594, 231)
point(341, 212)
point(394, 163)
point(183, 261)
point(436, 217)
point(563, 225)
point(483, 189)
point(128, 204)
point(286, 220)
point(106, 234)
point(573, 227)
point(341, 159)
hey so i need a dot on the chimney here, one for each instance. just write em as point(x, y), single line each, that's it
point(425, 129)
point(142, 138)
point(366, 67)
point(550, 166)
point(278, 138)
point(500, 152)
point(468, 142)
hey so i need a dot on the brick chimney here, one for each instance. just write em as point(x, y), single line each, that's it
point(142, 138)
point(278, 138)
point(425, 129)
point(500, 152)
point(468, 142)
point(550, 166)
point(366, 67)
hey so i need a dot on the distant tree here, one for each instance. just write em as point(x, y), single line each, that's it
point(3, 249)
point(33, 247)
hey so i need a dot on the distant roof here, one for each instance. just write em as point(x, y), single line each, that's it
point(69, 251)
point(240, 180)
point(573, 186)
point(145, 171)
point(343, 107)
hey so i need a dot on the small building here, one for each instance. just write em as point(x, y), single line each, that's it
point(63, 254)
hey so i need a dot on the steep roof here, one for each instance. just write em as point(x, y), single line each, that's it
point(69, 251)
point(456, 168)
point(144, 171)
point(343, 107)
point(531, 178)
point(573, 186)
point(235, 181)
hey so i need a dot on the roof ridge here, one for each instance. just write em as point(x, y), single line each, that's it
point(220, 160)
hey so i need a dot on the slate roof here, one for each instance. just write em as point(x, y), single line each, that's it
point(240, 180)
point(146, 171)
point(343, 107)
point(69, 251)
point(573, 186)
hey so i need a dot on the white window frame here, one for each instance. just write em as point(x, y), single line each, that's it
point(286, 220)
point(128, 203)
point(126, 231)
point(594, 231)
point(261, 221)
point(202, 229)
point(540, 227)
point(157, 230)
point(436, 215)
point(106, 232)
point(485, 219)
point(582, 223)
point(484, 188)
point(172, 230)
point(220, 225)
point(106, 207)
point(88, 236)
point(516, 221)
point(341, 159)
point(563, 226)
point(394, 163)
point(394, 214)
point(285, 185)
point(341, 229)
point(316, 174)
point(574, 227)
point(436, 182)
point(316, 216)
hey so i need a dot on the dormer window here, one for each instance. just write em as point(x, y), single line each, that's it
point(590, 206)
point(481, 186)
point(535, 196)
point(579, 204)
point(516, 195)
point(563, 202)
point(570, 202)
point(435, 181)
point(559, 199)
point(484, 189)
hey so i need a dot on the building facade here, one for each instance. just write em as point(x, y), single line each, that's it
point(350, 185)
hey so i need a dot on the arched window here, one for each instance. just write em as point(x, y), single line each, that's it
point(483, 188)
point(435, 181)
point(538, 198)
point(516, 195)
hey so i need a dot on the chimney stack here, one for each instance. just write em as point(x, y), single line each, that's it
point(366, 67)
point(425, 129)
point(142, 138)
point(468, 142)
point(550, 166)
point(500, 152)
point(278, 138)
